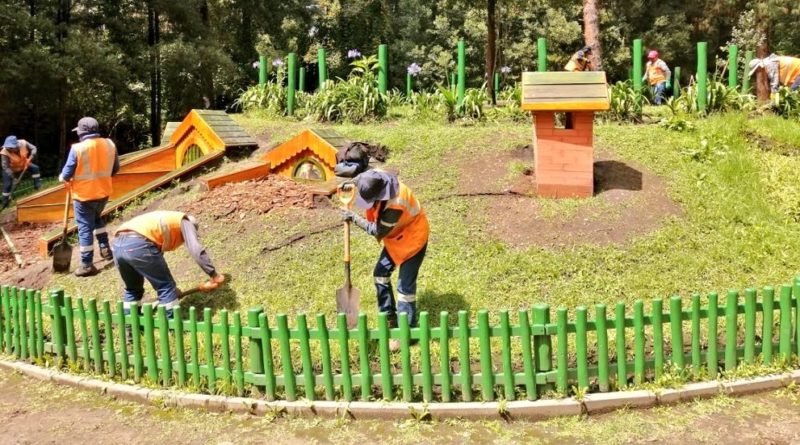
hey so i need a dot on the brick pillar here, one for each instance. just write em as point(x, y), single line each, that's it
point(564, 157)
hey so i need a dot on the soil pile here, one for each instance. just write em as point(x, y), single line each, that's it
point(26, 239)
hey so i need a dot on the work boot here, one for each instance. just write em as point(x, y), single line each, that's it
point(85, 271)
point(105, 252)
point(37, 183)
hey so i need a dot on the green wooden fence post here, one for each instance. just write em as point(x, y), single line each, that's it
point(580, 348)
point(56, 301)
point(291, 73)
point(562, 351)
point(676, 82)
point(785, 339)
point(385, 365)
point(322, 66)
point(496, 83)
point(31, 313)
point(444, 355)
point(638, 342)
point(797, 315)
point(136, 337)
point(22, 304)
point(69, 317)
point(696, 353)
point(731, 307)
point(97, 352)
point(109, 338)
point(262, 70)
point(194, 348)
point(487, 373)
point(266, 355)
point(425, 356)
point(363, 357)
point(286, 358)
point(748, 56)
point(462, 72)
point(713, 319)
point(637, 68)
point(542, 344)
point(702, 75)
point(383, 68)
point(208, 345)
point(39, 327)
point(4, 296)
point(541, 53)
point(3, 318)
point(163, 336)
point(225, 340)
point(768, 305)
point(508, 371)
point(255, 346)
point(658, 336)
point(749, 326)
point(123, 342)
point(676, 323)
point(602, 347)
point(733, 66)
point(407, 378)
point(301, 79)
point(409, 85)
point(464, 357)
point(527, 355)
point(15, 320)
point(622, 356)
point(149, 342)
point(344, 357)
point(85, 343)
point(238, 375)
point(325, 348)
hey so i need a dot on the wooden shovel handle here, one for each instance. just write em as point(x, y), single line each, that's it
point(68, 188)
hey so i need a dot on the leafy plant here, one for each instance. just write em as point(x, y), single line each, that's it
point(355, 99)
point(626, 103)
point(707, 150)
point(787, 103)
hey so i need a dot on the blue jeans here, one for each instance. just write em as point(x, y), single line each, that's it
point(9, 180)
point(659, 90)
point(90, 225)
point(795, 84)
point(406, 285)
point(138, 258)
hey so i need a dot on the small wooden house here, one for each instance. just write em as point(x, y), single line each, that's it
point(563, 106)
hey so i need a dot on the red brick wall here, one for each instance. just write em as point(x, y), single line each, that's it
point(564, 157)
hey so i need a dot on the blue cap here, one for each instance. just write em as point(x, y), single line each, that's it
point(11, 142)
point(375, 185)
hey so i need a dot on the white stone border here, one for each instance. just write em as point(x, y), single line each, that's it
point(540, 409)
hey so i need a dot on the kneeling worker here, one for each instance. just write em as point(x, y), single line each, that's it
point(139, 247)
point(395, 217)
point(16, 157)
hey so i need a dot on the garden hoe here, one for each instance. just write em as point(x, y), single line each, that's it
point(62, 252)
point(347, 296)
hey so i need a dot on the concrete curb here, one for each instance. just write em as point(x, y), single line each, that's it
point(541, 409)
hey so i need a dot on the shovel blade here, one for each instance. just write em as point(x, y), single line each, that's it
point(347, 299)
point(62, 257)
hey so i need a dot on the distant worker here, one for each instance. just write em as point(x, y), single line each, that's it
point(16, 157)
point(139, 247)
point(781, 70)
point(90, 165)
point(580, 60)
point(395, 217)
point(658, 76)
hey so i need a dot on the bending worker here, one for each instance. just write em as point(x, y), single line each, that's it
point(90, 165)
point(16, 157)
point(580, 60)
point(395, 217)
point(658, 76)
point(781, 70)
point(139, 247)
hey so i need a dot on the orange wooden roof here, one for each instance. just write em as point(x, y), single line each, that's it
point(323, 143)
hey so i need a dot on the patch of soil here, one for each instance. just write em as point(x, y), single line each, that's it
point(765, 143)
point(34, 272)
point(632, 202)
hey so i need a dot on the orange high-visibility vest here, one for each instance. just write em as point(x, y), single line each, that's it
point(162, 227)
point(655, 74)
point(789, 69)
point(92, 178)
point(410, 233)
point(17, 157)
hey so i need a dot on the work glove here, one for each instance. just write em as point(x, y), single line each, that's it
point(669, 85)
point(212, 283)
point(347, 215)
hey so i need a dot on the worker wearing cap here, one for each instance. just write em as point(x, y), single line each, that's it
point(395, 217)
point(658, 76)
point(139, 247)
point(90, 165)
point(580, 60)
point(16, 157)
point(781, 70)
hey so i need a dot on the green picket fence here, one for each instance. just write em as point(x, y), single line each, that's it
point(468, 359)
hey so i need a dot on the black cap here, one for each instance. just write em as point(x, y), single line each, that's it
point(87, 125)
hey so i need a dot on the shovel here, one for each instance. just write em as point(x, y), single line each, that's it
point(347, 296)
point(62, 252)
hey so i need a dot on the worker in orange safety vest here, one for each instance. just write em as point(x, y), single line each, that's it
point(580, 60)
point(395, 217)
point(658, 76)
point(16, 156)
point(781, 70)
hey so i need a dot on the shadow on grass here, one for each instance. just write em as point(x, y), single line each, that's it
point(222, 298)
point(435, 303)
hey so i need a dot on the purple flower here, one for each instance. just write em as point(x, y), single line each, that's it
point(353, 54)
point(256, 65)
point(505, 70)
point(277, 62)
point(414, 69)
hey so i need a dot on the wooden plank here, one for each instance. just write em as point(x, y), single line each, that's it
point(567, 105)
point(169, 129)
point(578, 92)
point(562, 77)
point(257, 171)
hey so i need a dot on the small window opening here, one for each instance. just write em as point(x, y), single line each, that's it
point(563, 121)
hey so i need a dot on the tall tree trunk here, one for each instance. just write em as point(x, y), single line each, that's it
point(491, 39)
point(155, 73)
point(591, 33)
point(762, 50)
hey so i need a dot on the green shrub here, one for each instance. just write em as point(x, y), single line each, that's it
point(356, 99)
point(720, 98)
point(787, 103)
point(626, 103)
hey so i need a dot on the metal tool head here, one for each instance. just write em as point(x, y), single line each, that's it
point(346, 192)
point(347, 301)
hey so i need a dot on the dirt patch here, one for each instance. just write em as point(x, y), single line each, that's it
point(629, 201)
point(765, 143)
point(35, 272)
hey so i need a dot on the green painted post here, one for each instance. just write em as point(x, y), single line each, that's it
point(363, 357)
point(601, 323)
point(462, 71)
point(731, 307)
point(463, 356)
point(266, 356)
point(541, 53)
point(508, 371)
point(301, 79)
point(487, 373)
point(542, 343)
point(580, 347)
point(658, 336)
point(749, 326)
point(225, 340)
point(383, 68)
point(325, 348)
point(496, 83)
point(262, 70)
point(562, 352)
point(733, 66)
point(344, 357)
point(39, 327)
point(291, 73)
point(3, 319)
point(785, 339)
point(622, 356)
point(22, 304)
point(444, 356)
point(123, 342)
point(409, 85)
point(676, 82)
point(194, 349)
point(109, 339)
point(149, 342)
point(768, 305)
point(180, 346)
point(84, 335)
point(527, 355)
point(638, 342)
point(56, 301)
point(7, 316)
point(163, 337)
point(30, 312)
point(637, 66)
point(322, 66)
point(748, 56)
point(676, 336)
point(696, 356)
point(453, 81)
point(238, 375)
point(305, 357)
point(405, 357)
point(702, 75)
point(425, 357)
point(15, 320)
point(713, 319)
point(136, 337)
point(255, 348)
point(286, 358)
point(69, 317)
point(797, 314)
point(385, 365)
point(208, 344)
